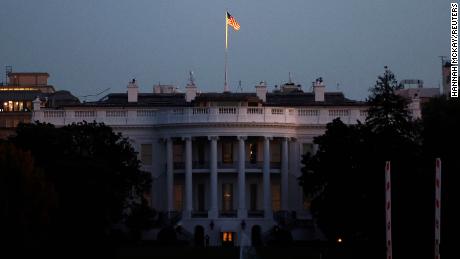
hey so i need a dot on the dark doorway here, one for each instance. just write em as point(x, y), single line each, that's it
point(256, 238)
point(199, 236)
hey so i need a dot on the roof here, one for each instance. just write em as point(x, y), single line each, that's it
point(61, 98)
point(293, 99)
point(290, 99)
point(19, 95)
point(28, 74)
point(144, 99)
point(227, 97)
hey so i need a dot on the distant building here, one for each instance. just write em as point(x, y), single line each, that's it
point(21, 92)
point(446, 78)
point(223, 164)
point(413, 90)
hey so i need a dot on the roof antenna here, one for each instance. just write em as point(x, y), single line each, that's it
point(191, 78)
point(8, 70)
point(94, 95)
point(240, 88)
point(290, 79)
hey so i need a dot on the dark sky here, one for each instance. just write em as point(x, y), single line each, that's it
point(88, 46)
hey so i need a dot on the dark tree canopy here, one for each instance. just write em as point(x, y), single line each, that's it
point(441, 124)
point(95, 171)
point(27, 199)
point(345, 178)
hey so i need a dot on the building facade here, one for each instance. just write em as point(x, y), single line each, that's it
point(18, 93)
point(224, 165)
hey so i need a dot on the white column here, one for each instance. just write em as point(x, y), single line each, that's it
point(213, 209)
point(266, 179)
point(188, 177)
point(169, 174)
point(242, 212)
point(284, 174)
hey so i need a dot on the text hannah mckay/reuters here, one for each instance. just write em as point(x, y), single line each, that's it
point(454, 49)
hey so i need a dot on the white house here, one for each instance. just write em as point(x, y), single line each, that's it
point(222, 163)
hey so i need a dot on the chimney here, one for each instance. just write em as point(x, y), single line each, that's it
point(133, 91)
point(318, 89)
point(261, 91)
point(190, 89)
point(190, 92)
point(36, 104)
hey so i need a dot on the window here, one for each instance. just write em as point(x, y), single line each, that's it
point(227, 197)
point(276, 197)
point(200, 149)
point(146, 154)
point(227, 152)
point(275, 151)
point(178, 152)
point(253, 152)
point(201, 196)
point(178, 196)
point(253, 197)
point(307, 148)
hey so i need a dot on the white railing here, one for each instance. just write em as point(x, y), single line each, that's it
point(186, 115)
point(255, 110)
point(227, 110)
point(115, 113)
point(307, 112)
point(85, 113)
point(339, 112)
point(54, 114)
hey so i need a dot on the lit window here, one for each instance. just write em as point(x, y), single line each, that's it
point(227, 197)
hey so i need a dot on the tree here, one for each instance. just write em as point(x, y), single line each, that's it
point(345, 177)
point(96, 174)
point(441, 122)
point(27, 200)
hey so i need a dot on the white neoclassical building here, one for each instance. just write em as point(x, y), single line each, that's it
point(224, 165)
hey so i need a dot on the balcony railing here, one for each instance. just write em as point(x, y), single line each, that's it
point(199, 214)
point(185, 115)
point(227, 214)
point(255, 214)
point(168, 218)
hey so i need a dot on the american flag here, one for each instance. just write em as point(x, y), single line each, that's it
point(232, 22)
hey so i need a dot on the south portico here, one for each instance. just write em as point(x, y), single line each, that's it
point(227, 180)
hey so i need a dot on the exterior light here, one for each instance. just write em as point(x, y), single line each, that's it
point(211, 224)
point(339, 240)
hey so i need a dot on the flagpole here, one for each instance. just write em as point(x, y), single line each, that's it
point(226, 52)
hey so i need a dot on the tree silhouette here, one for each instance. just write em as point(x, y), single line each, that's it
point(345, 178)
point(96, 174)
point(27, 199)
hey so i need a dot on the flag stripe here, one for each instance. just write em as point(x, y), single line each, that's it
point(232, 22)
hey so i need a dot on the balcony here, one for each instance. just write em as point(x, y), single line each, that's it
point(255, 214)
point(199, 214)
point(194, 115)
point(227, 214)
point(168, 218)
